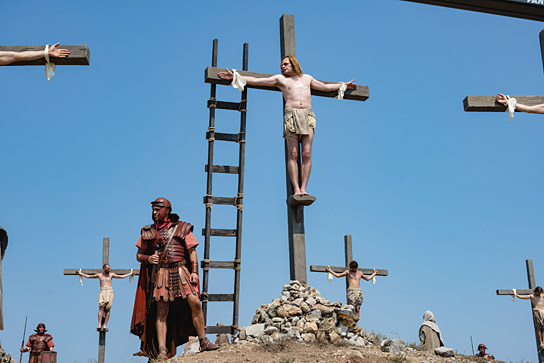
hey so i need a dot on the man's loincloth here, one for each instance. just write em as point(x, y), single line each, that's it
point(173, 281)
point(538, 317)
point(105, 299)
point(354, 296)
point(298, 122)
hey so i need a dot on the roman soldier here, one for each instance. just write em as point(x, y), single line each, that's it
point(38, 343)
point(167, 306)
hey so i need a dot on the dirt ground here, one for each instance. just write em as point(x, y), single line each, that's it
point(293, 351)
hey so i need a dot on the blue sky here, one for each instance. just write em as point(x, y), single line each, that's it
point(449, 202)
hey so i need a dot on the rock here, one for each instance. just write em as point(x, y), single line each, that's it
point(357, 341)
point(310, 327)
point(315, 315)
point(327, 324)
point(395, 346)
point(311, 301)
point(271, 330)
point(325, 310)
point(255, 330)
point(305, 308)
point(298, 301)
point(444, 352)
point(308, 337)
point(334, 338)
point(342, 330)
point(321, 335)
point(271, 310)
point(242, 335)
point(288, 310)
point(300, 325)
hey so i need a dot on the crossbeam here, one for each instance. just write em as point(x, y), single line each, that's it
point(93, 271)
point(79, 55)
point(525, 9)
point(361, 93)
point(489, 104)
point(339, 269)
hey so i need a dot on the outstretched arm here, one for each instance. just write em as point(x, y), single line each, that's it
point(11, 57)
point(253, 81)
point(342, 274)
point(115, 276)
point(525, 297)
point(95, 276)
point(330, 87)
point(520, 106)
point(369, 277)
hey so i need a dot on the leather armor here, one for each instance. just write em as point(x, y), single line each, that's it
point(38, 343)
point(157, 241)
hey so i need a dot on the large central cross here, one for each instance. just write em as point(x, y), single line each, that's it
point(93, 271)
point(295, 204)
point(532, 286)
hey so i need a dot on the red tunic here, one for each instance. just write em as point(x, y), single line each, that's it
point(179, 320)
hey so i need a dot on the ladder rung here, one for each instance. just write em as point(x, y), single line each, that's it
point(219, 200)
point(220, 232)
point(220, 297)
point(223, 137)
point(220, 330)
point(219, 264)
point(222, 105)
point(223, 169)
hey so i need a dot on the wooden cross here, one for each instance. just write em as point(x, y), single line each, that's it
point(79, 55)
point(348, 258)
point(295, 204)
point(525, 9)
point(92, 271)
point(532, 286)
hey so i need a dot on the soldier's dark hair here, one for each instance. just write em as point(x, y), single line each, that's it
point(353, 264)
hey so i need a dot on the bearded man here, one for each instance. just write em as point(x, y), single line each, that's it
point(167, 306)
point(38, 343)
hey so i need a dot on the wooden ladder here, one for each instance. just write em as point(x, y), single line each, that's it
point(237, 201)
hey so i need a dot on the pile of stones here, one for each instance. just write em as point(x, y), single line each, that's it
point(302, 313)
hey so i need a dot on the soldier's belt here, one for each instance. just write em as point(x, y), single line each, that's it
point(173, 264)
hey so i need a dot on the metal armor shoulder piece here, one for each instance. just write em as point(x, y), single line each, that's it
point(183, 229)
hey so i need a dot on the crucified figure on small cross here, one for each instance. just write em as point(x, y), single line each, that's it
point(298, 118)
point(105, 297)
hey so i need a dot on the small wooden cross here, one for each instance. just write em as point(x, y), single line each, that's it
point(349, 257)
point(91, 271)
point(532, 286)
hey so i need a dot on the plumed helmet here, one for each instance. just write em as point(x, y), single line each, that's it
point(38, 327)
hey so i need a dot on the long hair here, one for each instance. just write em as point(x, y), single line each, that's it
point(295, 64)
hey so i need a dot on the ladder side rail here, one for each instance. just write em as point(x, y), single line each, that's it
point(240, 195)
point(211, 130)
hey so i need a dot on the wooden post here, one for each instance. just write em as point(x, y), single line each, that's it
point(541, 38)
point(105, 260)
point(295, 213)
point(532, 286)
point(348, 251)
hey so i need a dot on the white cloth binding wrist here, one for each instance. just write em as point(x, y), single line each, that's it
point(49, 67)
point(511, 106)
point(131, 278)
point(514, 296)
point(80, 278)
point(341, 91)
point(374, 278)
point(238, 81)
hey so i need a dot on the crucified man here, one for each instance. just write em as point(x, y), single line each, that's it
point(105, 297)
point(298, 118)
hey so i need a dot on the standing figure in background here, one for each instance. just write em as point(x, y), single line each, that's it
point(38, 343)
